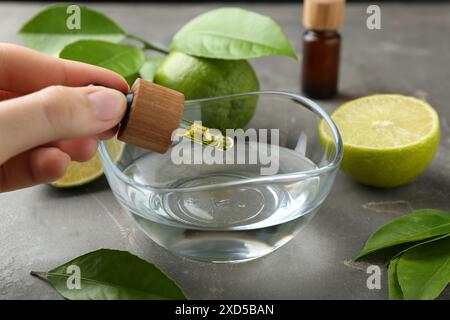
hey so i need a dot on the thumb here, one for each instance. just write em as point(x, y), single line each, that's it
point(57, 113)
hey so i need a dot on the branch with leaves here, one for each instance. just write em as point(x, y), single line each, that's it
point(227, 33)
point(417, 249)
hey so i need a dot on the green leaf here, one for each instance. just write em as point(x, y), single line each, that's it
point(123, 59)
point(415, 226)
point(395, 291)
point(112, 275)
point(149, 67)
point(424, 272)
point(395, 252)
point(48, 31)
point(233, 34)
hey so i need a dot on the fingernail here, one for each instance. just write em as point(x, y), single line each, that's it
point(107, 104)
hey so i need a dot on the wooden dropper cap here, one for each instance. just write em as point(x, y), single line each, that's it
point(154, 113)
point(323, 14)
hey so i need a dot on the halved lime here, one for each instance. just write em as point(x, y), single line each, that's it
point(80, 173)
point(388, 139)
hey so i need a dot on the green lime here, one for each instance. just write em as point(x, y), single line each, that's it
point(389, 139)
point(202, 78)
point(80, 173)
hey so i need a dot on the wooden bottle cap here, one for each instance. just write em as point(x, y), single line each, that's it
point(323, 14)
point(154, 112)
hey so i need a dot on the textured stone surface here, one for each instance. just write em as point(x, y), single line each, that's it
point(41, 227)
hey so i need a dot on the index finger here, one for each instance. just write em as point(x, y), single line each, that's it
point(24, 71)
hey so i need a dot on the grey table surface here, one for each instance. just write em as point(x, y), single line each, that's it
point(41, 227)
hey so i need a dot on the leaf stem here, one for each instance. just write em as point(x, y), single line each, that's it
point(147, 45)
point(40, 275)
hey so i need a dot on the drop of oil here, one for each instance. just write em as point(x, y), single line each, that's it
point(202, 135)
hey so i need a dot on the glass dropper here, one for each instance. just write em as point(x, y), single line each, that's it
point(197, 133)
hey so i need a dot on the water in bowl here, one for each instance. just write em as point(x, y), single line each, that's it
point(232, 223)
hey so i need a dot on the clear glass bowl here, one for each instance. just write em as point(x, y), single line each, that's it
point(272, 185)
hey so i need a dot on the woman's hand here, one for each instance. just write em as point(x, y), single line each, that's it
point(48, 116)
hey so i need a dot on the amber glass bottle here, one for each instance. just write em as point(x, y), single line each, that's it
point(321, 47)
